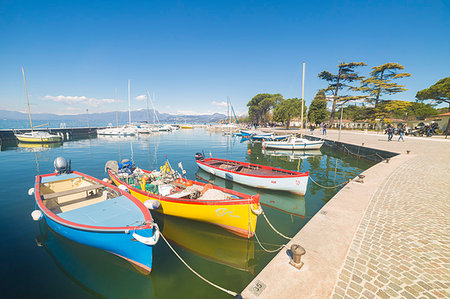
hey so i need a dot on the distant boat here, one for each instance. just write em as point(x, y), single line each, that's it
point(254, 175)
point(95, 213)
point(294, 143)
point(186, 127)
point(269, 136)
point(35, 136)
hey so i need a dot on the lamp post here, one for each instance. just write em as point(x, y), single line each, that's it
point(340, 121)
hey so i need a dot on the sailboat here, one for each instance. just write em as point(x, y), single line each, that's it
point(110, 131)
point(295, 143)
point(35, 136)
point(229, 127)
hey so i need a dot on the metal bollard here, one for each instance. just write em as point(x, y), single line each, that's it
point(407, 152)
point(387, 160)
point(297, 252)
point(360, 178)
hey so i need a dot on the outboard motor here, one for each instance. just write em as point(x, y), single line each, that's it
point(199, 156)
point(61, 165)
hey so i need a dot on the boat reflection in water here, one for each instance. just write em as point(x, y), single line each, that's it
point(38, 147)
point(291, 154)
point(278, 200)
point(96, 271)
point(209, 242)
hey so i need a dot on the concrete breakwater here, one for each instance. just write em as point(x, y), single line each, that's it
point(66, 133)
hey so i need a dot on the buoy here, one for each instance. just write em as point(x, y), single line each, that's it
point(31, 191)
point(152, 204)
point(249, 151)
point(36, 215)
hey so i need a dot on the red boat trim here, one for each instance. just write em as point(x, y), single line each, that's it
point(246, 199)
point(56, 218)
point(297, 174)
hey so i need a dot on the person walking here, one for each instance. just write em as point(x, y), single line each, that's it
point(401, 132)
point(324, 132)
point(390, 132)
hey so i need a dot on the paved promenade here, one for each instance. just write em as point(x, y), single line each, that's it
point(386, 238)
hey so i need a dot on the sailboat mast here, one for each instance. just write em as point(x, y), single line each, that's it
point(129, 104)
point(228, 110)
point(117, 111)
point(148, 117)
point(28, 102)
point(303, 99)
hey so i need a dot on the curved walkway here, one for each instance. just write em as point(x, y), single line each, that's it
point(386, 238)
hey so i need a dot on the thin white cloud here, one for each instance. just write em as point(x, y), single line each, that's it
point(142, 97)
point(71, 100)
point(224, 104)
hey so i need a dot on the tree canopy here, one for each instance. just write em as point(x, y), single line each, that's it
point(437, 93)
point(380, 81)
point(261, 104)
point(317, 111)
point(287, 109)
point(346, 75)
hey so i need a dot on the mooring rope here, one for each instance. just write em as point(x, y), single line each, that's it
point(234, 294)
point(268, 250)
point(274, 229)
point(328, 187)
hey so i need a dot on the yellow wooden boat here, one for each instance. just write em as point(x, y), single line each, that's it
point(186, 127)
point(165, 193)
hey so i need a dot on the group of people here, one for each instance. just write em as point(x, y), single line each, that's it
point(401, 131)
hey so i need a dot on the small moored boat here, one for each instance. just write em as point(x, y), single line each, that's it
point(95, 213)
point(294, 143)
point(259, 176)
point(38, 137)
point(167, 193)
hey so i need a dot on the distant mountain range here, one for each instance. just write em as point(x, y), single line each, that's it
point(110, 117)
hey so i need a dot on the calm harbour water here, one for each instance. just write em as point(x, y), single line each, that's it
point(38, 263)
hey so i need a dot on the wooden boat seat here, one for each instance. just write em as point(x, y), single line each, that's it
point(72, 191)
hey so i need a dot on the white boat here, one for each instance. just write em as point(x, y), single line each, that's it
point(38, 137)
point(254, 175)
point(35, 136)
point(109, 131)
point(294, 143)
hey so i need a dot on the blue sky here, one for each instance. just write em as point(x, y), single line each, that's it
point(194, 54)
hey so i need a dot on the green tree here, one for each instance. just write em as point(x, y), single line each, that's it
point(261, 104)
point(318, 112)
point(287, 109)
point(346, 74)
point(437, 93)
point(380, 81)
point(421, 110)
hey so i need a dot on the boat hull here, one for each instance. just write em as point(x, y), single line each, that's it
point(232, 215)
point(294, 184)
point(293, 146)
point(25, 139)
point(118, 243)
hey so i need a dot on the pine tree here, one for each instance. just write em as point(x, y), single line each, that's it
point(380, 81)
point(346, 74)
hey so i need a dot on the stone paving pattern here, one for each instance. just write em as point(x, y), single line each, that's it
point(401, 248)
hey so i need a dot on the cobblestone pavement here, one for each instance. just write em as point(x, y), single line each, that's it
point(402, 245)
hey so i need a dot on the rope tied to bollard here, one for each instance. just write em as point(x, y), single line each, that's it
point(328, 187)
point(271, 226)
point(234, 294)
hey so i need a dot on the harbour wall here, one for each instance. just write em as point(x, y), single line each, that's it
point(7, 136)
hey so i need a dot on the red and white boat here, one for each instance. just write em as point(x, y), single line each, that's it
point(259, 176)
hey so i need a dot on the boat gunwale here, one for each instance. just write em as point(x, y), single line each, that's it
point(246, 199)
point(295, 173)
point(74, 225)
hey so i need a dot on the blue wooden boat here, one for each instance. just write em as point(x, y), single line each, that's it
point(95, 213)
